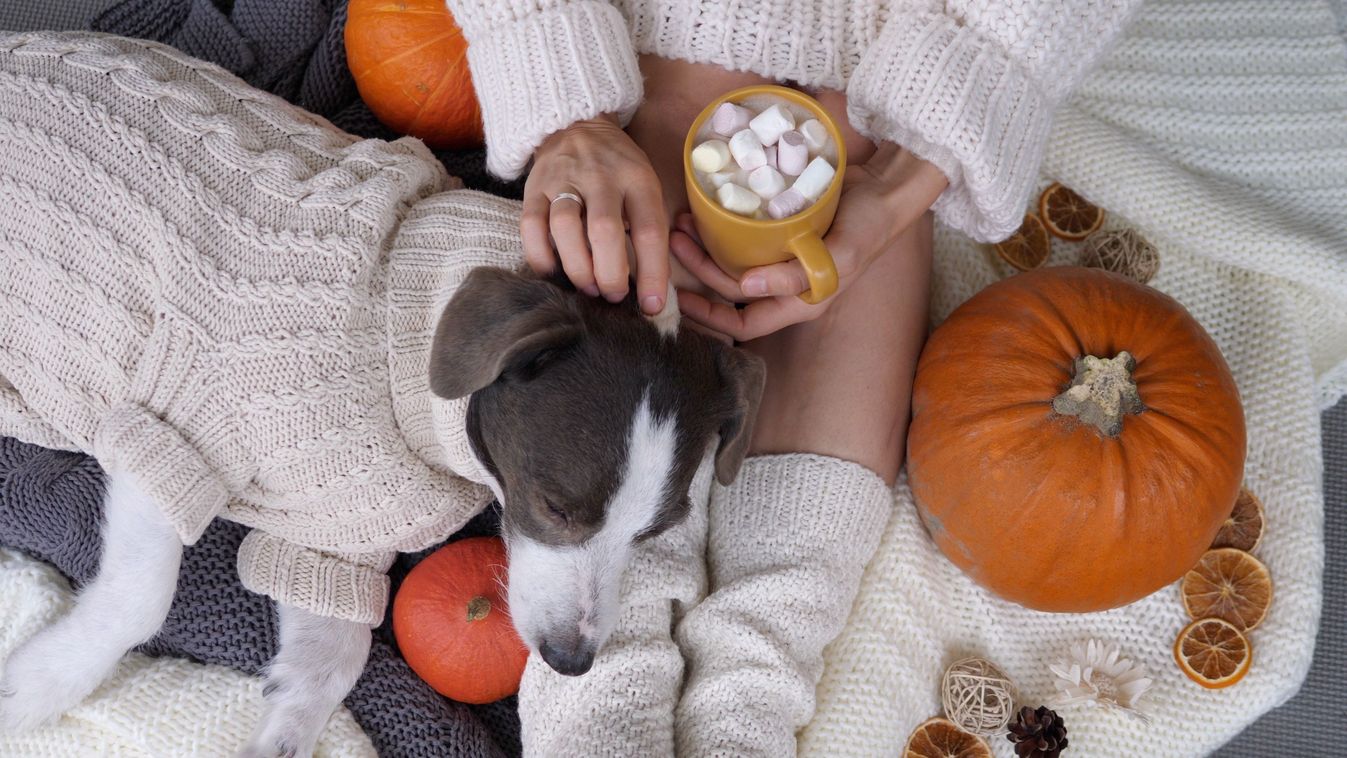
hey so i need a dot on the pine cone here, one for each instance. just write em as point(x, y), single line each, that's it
point(1038, 733)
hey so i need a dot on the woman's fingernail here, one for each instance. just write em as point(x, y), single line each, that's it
point(592, 290)
point(755, 286)
point(652, 304)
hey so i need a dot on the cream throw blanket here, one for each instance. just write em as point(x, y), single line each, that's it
point(151, 707)
point(1218, 130)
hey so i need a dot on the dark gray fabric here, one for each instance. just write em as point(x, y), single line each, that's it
point(50, 505)
point(32, 15)
point(1314, 722)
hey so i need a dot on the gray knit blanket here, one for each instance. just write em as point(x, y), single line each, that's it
point(50, 501)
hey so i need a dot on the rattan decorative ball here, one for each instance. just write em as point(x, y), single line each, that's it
point(1123, 251)
point(977, 696)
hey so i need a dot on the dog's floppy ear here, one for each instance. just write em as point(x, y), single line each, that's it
point(742, 376)
point(497, 319)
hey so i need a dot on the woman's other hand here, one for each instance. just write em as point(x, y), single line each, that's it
point(618, 193)
point(880, 199)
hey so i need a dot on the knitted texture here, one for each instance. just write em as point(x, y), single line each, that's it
point(252, 244)
point(1216, 131)
point(50, 506)
point(788, 542)
point(970, 86)
point(149, 707)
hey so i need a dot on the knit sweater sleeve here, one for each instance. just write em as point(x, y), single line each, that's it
point(972, 87)
point(540, 66)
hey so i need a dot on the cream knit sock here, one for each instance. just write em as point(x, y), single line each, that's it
point(788, 543)
point(624, 705)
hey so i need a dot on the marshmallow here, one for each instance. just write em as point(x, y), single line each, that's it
point(747, 150)
point(720, 178)
point(767, 182)
point(730, 118)
point(792, 155)
point(771, 123)
point(737, 199)
point(710, 156)
point(788, 203)
point(814, 179)
point(770, 150)
point(815, 135)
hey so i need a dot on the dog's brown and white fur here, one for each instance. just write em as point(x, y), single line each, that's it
point(591, 421)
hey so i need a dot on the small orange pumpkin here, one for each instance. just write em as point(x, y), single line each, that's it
point(452, 623)
point(410, 63)
point(1077, 439)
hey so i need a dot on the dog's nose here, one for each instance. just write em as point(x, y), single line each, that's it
point(568, 660)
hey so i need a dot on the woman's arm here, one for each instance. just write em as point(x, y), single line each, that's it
point(972, 87)
point(557, 80)
point(541, 65)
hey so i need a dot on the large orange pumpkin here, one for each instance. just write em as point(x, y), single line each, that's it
point(453, 625)
point(1077, 439)
point(410, 63)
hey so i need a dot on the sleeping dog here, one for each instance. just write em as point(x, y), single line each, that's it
point(244, 313)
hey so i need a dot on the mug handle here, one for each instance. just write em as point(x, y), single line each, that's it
point(809, 249)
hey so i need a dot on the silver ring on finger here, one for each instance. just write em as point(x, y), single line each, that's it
point(569, 196)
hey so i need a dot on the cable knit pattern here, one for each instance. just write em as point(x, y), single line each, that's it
point(151, 707)
point(540, 66)
point(198, 283)
point(788, 542)
point(970, 86)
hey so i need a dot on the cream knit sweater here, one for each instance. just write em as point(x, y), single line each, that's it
point(234, 301)
point(966, 84)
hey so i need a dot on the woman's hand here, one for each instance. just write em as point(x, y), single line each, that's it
point(596, 161)
point(880, 199)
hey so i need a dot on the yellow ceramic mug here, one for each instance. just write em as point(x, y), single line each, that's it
point(738, 243)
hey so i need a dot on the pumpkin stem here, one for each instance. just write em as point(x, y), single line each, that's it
point(478, 608)
point(1101, 393)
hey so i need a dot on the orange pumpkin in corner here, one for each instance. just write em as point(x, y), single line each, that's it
point(1077, 439)
point(410, 63)
point(452, 623)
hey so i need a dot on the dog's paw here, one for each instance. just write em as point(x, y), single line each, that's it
point(291, 723)
point(42, 680)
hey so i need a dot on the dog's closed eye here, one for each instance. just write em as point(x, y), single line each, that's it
point(557, 514)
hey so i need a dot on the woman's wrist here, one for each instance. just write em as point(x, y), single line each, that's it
point(906, 174)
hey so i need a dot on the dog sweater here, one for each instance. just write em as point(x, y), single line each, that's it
point(969, 85)
point(233, 301)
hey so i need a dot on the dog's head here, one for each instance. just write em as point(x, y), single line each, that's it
point(592, 423)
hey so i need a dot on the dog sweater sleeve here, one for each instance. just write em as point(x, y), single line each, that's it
point(347, 586)
point(787, 544)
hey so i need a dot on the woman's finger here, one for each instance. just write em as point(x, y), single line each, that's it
point(650, 238)
point(778, 279)
point(686, 224)
point(533, 230)
point(700, 265)
point(757, 319)
point(568, 232)
point(608, 239)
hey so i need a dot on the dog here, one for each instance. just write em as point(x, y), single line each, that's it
point(586, 420)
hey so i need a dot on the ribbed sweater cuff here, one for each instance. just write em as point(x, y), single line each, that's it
point(539, 74)
point(937, 88)
point(798, 507)
point(350, 588)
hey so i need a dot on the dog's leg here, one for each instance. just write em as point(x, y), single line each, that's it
point(122, 607)
point(316, 665)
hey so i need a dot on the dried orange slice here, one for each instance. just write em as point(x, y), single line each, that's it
point(1213, 653)
point(1068, 215)
point(1028, 247)
point(1244, 529)
point(941, 738)
point(1228, 584)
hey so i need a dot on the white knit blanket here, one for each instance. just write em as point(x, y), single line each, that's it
point(151, 707)
point(1219, 131)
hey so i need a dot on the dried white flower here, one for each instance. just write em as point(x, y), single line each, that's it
point(1096, 674)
